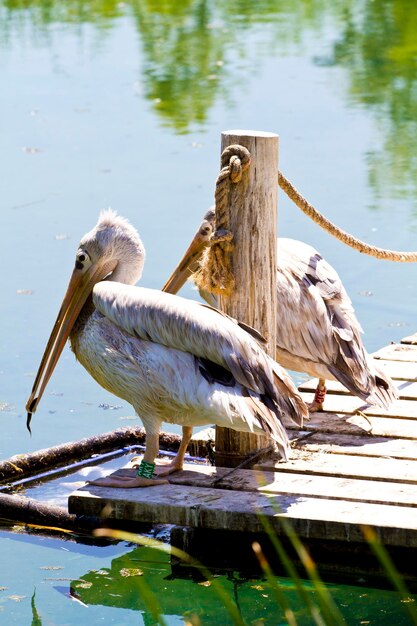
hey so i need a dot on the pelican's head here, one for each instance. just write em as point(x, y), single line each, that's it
point(112, 250)
point(190, 261)
point(114, 241)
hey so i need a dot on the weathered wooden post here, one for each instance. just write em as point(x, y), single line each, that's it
point(252, 206)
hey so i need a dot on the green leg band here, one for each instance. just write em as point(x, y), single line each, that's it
point(146, 469)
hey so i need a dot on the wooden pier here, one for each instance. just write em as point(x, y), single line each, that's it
point(352, 465)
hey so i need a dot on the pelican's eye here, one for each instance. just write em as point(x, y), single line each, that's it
point(82, 260)
point(205, 229)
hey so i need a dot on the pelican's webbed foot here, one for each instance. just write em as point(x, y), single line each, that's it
point(164, 469)
point(125, 482)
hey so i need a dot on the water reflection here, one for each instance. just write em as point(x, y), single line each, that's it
point(378, 47)
point(184, 58)
point(36, 618)
point(141, 580)
point(195, 51)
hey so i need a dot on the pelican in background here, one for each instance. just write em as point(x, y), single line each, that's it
point(317, 329)
point(174, 360)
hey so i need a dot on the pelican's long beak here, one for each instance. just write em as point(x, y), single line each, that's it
point(189, 262)
point(79, 288)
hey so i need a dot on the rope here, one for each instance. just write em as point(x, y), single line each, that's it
point(341, 235)
point(215, 273)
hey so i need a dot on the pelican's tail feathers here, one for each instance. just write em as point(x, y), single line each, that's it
point(375, 387)
point(268, 416)
point(384, 391)
point(288, 398)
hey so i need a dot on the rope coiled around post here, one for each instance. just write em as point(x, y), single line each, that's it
point(341, 235)
point(215, 274)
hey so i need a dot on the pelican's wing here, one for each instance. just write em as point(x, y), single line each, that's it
point(187, 325)
point(249, 329)
point(316, 314)
point(319, 324)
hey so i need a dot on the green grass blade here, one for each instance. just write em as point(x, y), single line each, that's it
point(275, 588)
point(391, 572)
point(329, 612)
point(292, 572)
point(151, 601)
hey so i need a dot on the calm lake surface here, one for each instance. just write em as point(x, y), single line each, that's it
point(122, 104)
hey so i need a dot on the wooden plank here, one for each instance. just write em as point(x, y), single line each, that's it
point(350, 404)
point(411, 339)
point(320, 462)
point(405, 449)
point(397, 352)
point(399, 370)
point(361, 425)
point(299, 484)
point(407, 389)
point(236, 510)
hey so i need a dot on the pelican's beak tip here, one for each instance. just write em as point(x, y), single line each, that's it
point(30, 408)
point(28, 420)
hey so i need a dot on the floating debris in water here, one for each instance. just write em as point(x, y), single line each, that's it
point(6, 407)
point(61, 237)
point(26, 204)
point(31, 150)
point(84, 585)
point(130, 571)
point(24, 292)
point(109, 407)
point(365, 293)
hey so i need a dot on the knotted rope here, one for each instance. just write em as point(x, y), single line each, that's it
point(215, 274)
point(341, 235)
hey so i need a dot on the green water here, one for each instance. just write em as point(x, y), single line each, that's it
point(121, 104)
point(69, 584)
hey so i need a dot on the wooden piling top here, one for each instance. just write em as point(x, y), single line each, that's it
point(351, 465)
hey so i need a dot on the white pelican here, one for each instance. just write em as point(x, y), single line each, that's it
point(317, 330)
point(174, 360)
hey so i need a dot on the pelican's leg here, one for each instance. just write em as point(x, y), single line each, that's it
point(317, 404)
point(178, 461)
point(125, 482)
